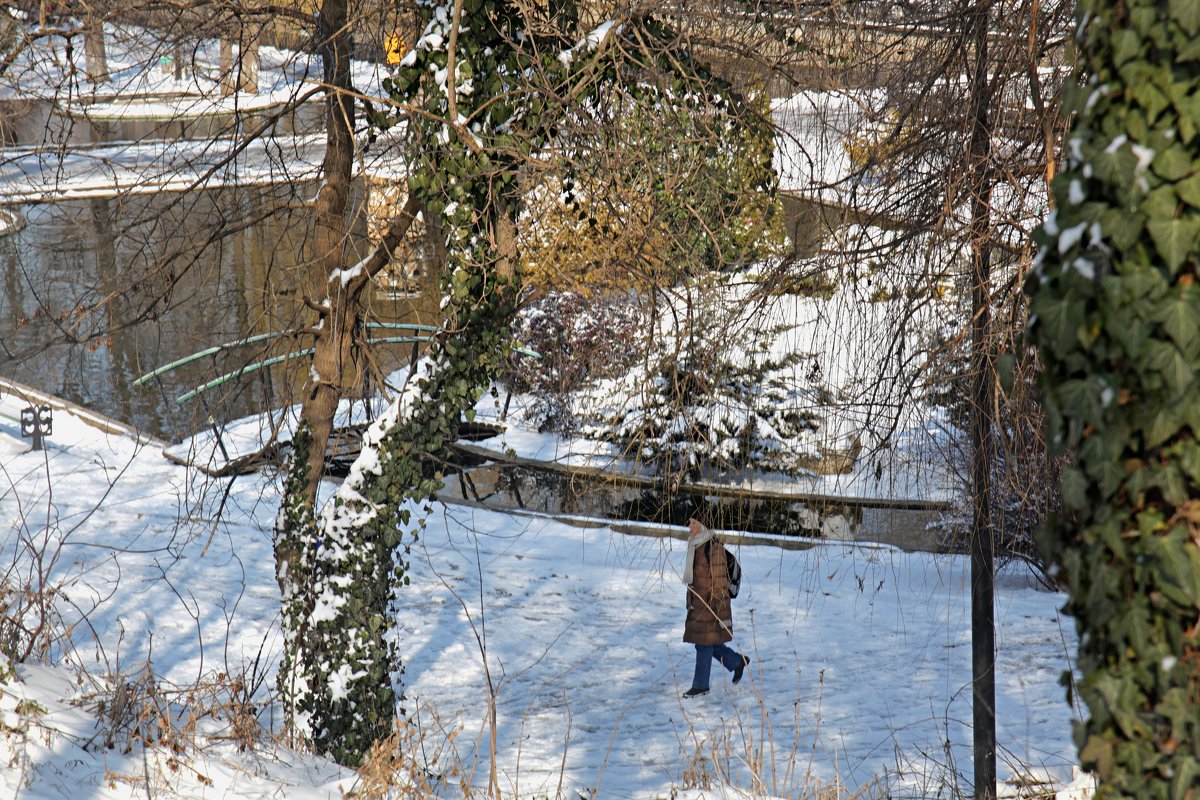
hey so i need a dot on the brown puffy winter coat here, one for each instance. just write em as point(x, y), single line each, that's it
point(709, 614)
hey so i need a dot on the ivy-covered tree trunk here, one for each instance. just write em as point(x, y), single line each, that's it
point(1117, 318)
point(482, 93)
point(344, 563)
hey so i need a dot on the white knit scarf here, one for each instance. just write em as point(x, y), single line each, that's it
point(702, 536)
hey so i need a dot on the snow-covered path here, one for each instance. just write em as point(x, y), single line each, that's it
point(861, 654)
point(52, 175)
point(861, 661)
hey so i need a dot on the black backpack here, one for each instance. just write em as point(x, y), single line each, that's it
point(735, 574)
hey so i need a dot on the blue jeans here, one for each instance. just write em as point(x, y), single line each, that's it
point(705, 655)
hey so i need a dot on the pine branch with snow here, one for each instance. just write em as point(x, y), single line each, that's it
point(705, 403)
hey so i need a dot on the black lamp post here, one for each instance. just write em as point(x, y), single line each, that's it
point(37, 422)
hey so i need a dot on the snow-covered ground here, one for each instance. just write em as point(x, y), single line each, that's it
point(810, 146)
point(141, 74)
point(860, 672)
point(816, 130)
point(35, 176)
point(867, 354)
point(10, 221)
point(141, 87)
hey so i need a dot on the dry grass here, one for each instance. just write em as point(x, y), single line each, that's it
point(138, 708)
point(29, 620)
point(411, 765)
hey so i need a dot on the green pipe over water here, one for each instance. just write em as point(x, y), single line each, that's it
point(183, 398)
point(208, 351)
point(270, 362)
point(405, 325)
point(261, 337)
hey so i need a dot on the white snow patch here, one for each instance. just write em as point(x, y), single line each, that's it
point(1071, 237)
point(1050, 225)
point(1144, 155)
point(1075, 193)
point(1084, 267)
point(587, 43)
point(1075, 149)
point(344, 276)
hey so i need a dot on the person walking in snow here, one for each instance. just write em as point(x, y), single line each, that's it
point(709, 623)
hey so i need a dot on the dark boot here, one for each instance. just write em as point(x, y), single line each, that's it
point(740, 668)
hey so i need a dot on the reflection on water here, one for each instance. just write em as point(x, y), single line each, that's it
point(540, 490)
point(557, 492)
point(98, 292)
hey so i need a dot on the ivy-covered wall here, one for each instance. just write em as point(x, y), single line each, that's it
point(1117, 318)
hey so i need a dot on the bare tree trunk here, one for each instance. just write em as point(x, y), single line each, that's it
point(1045, 119)
point(506, 245)
point(228, 82)
point(241, 76)
point(339, 311)
point(94, 53)
point(335, 294)
point(247, 70)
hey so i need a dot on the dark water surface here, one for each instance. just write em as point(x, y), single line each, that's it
point(96, 293)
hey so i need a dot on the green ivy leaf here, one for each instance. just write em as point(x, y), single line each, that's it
point(1164, 357)
point(1121, 227)
point(1109, 477)
point(1074, 488)
point(1180, 318)
point(1060, 319)
point(1079, 400)
point(1160, 203)
point(1188, 190)
point(1189, 52)
point(1188, 108)
point(1115, 168)
point(1164, 424)
point(1152, 101)
point(1174, 239)
point(1126, 44)
point(1142, 19)
point(1187, 773)
point(1173, 163)
point(1186, 13)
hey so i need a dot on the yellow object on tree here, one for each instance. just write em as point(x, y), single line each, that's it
point(395, 47)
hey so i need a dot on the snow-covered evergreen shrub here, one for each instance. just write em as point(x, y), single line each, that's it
point(579, 340)
point(712, 400)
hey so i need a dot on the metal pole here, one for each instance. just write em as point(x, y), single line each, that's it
point(37, 428)
point(982, 435)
